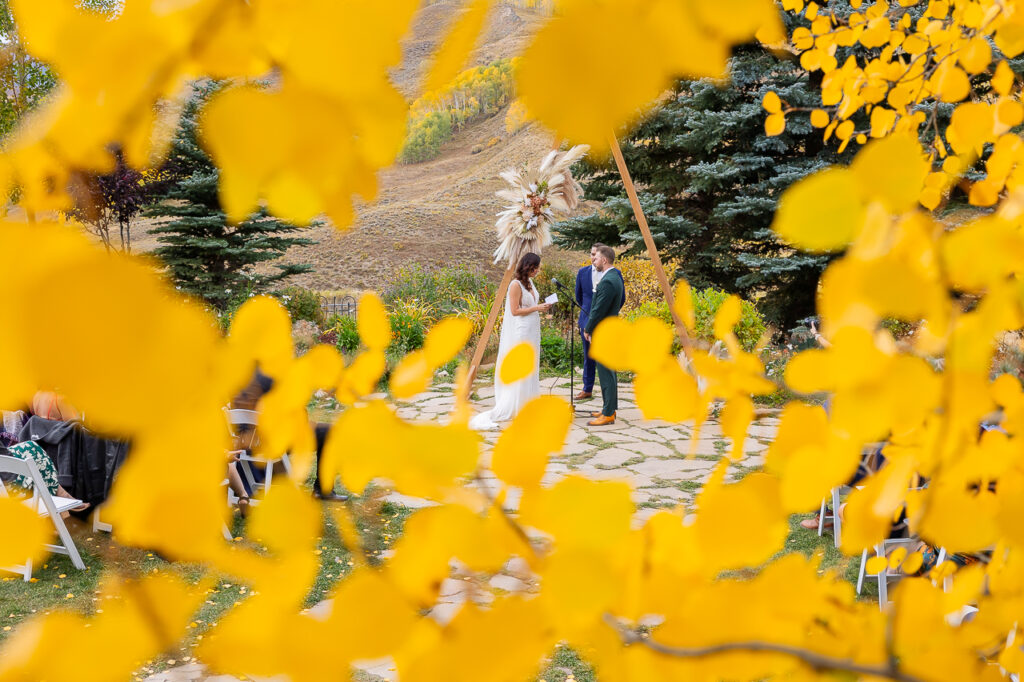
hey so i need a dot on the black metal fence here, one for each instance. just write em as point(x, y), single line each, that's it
point(338, 305)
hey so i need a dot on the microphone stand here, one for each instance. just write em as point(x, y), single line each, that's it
point(572, 342)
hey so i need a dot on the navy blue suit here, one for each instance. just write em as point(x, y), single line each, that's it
point(584, 294)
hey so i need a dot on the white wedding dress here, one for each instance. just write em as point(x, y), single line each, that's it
point(510, 398)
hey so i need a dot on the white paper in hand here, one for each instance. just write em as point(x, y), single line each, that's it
point(553, 298)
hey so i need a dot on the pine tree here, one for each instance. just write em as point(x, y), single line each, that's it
point(709, 180)
point(204, 254)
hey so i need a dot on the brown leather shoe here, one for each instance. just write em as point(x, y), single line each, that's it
point(602, 421)
point(583, 395)
point(596, 414)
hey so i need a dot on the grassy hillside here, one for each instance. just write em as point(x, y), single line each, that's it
point(439, 211)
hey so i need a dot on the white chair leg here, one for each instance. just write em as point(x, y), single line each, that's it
point(27, 574)
point(863, 569)
point(836, 523)
point(883, 587)
point(821, 516)
point(287, 464)
point(68, 542)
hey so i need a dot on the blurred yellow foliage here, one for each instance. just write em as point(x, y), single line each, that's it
point(336, 119)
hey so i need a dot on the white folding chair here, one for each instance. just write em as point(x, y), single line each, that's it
point(823, 514)
point(245, 461)
point(883, 577)
point(45, 505)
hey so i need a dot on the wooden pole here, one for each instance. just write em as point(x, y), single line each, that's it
point(652, 250)
point(485, 336)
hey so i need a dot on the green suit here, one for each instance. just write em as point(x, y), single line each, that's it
point(607, 302)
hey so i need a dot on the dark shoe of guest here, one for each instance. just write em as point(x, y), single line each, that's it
point(583, 395)
point(602, 420)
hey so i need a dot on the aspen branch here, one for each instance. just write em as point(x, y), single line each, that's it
point(811, 658)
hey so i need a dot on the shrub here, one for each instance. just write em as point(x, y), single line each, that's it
point(302, 304)
point(347, 339)
point(706, 303)
point(445, 289)
point(304, 334)
point(408, 329)
point(641, 282)
point(554, 350)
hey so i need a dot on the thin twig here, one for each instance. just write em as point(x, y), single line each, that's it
point(811, 658)
point(513, 524)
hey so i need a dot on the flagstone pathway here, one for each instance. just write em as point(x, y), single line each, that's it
point(654, 457)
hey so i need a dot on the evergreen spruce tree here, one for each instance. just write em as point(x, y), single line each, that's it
point(205, 255)
point(709, 180)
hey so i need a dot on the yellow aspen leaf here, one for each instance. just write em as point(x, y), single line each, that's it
point(25, 533)
point(650, 345)
point(736, 417)
point(951, 84)
point(581, 109)
point(774, 125)
point(684, 304)
point(362, 375)
point(811, 60)
point(984, 193)
point(577, 588)
point(812, 11)
point(876, 565)
point(446, 339)
point(970, 127)
point(1002, 81)
point(521, 453)
point(771, 102)
point(930, 198)
point(287, 520)
point(411, 376)
point(802, 38)
point(896, 557)
point(882, 121)
point(893, 170)
point(870, 509)
point(975, 56)
point(1009, 37)
point(819, 118)
point(432, 538)
point(669, 393)
point(741, 524)
point(373, 324)
point(580, 513)
point(611, 336)
point(727, 317)
point(518, 363)
point(388, 618)
point(1009, 114)
point(822, 212)
point(844, 130)
point(454, 52)
point(912, 564)
point(348, 531)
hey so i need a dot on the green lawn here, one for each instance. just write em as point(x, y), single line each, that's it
point(57, 585)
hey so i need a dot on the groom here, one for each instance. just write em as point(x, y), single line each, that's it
point(608, 297)
point(587, 279)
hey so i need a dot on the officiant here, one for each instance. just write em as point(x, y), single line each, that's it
point(587, 279)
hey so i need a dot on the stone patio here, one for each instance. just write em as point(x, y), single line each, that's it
point(650, 455)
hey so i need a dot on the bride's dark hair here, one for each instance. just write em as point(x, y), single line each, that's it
point(526, 265)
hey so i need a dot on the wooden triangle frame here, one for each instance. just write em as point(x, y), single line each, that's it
point(652, 251)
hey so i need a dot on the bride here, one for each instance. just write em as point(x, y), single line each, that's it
point(520, 323)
